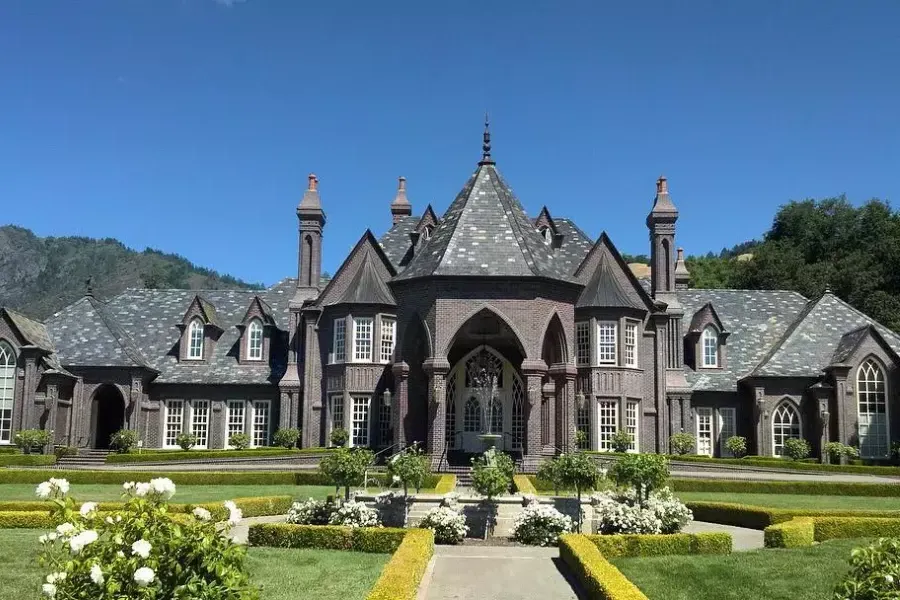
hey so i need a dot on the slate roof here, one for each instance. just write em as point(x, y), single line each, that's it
point(605, 289)
point(396, 242)
point(485, 232)
point(34, 332)
point(367, 287)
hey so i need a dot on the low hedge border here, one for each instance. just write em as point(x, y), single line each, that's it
point(614, 546)
point(597, 576)
point(27, 460)
point(327, 537)
point(524, 485)
point(810, 488)
point(795, 533)
point(182, 455)
point(758, 517)
point(402, 575)
point(445, 484)
point(791, 465)
point(258, 506)
point(803, 531)
point(21, 519)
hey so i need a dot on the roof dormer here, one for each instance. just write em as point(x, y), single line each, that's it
point(255, 340)
point(704, 343)
point(200, 330)
point(547, 228)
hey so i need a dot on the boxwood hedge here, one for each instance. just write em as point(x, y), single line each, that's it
point(597, 576)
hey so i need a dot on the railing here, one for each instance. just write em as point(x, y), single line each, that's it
point(379, 453)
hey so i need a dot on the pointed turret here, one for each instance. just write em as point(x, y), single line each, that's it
point(400, 207)
point(682, 275)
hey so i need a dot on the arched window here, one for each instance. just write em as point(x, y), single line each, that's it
point(450, 417)
point(710, 347)
point(871, 395)
point(785, 425)
point(547, 235)
point(472, 416)
point(496, 416)
point(195, 339)
point(7, 387)
point(427, 231)
point(255, 340)
point(517, 423)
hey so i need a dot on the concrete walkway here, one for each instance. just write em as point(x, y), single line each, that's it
point(239, 533)
point(496, 572)
point(741, 538)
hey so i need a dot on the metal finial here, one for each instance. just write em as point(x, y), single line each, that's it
point(486, 145)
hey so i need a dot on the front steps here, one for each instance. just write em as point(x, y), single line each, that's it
point(85, 459)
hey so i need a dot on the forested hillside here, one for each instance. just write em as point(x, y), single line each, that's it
point(38, 276)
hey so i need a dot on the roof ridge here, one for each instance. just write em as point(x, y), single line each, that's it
point(810, 305)
point(869, 320)
point(118, 332)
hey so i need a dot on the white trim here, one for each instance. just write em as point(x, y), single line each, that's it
point(876, 364)
point(167, 408)
point(709, 333)
point(334, 401)
point(601, 325)
point(256, 406)
point(730, 410)
point(363, 402)
point(583, 343)
point(193, 406)
point(706, 413)
point(196, 324)
point(254, 327)
point(7, 391)
point(633, 327)
point(388, 326)
point(340, 325)
point(360, 324)
point(635, 406)
point(229, 411)
point(608, 423)
point(786, 405)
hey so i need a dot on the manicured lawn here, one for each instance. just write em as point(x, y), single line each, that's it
point(796, 501)
point(796, 574)
point(184, 493)
point(283, 574)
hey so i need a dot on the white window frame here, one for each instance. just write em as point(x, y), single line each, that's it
point(360, 420)
point(583, 343)
point(198, 422)
point(255, 340)
point(335, 406)
point(632, 423)
point(363, 328)
point(709, 335)
point(630, 344)
point(256, 410)
point(704, 413)
point(233, 407)
point(168, 441)
point(7, 391)
point(608, 423)
point(196, 329)
point(864, 417)
point(784, 406)
point(732, 411)
point(547, 234)
point(604, 344)
point(339, 348)
point(583, 423)
point(388, 338)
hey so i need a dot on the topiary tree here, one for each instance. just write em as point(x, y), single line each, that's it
point(682, 443)
point(492, 474)
point(643, 472)
point(549, 471)
point(239, 441)
point(286, 437)
point(579, 471)
point(346, 467)
point(339, 437)
point(124, 440)
point(412, 467)
point(874, 572)
point(186, 441)
point(796, 448)
point(621, 441)
point(737, 445)
point(32, 439)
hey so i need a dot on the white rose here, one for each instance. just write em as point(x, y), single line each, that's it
point(202, 514)
point(141, 548)
point(144, 576)
point(78, 542)
point(49, 590)
point(65, 529)
point(141, 489)
point(97, 575)
point(234, 513)
point(61, 485)
point(54, 577)
point(87, 508)
point(43, 492)
point(162, 487)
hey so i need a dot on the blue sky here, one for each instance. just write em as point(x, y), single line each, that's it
point(190, 125)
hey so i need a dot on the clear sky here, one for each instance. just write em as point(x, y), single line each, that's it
point(190, 125)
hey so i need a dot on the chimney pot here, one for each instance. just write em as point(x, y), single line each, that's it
point(313, 181)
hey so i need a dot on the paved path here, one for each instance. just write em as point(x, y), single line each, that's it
point(741, 538)
point(497, 573)
point(239, 533)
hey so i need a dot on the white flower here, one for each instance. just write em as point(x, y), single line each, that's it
point(78, 542)
point(43, 539)
point(889, 578)
point(52, 488)
point(120, 554)
point(49, 590)
point(141, 489)
point(162, 488)
point(65, 529)
point(87, 508)
point(234, 513)
point(97, 574)
point(58, 576)
point(43, 492)
point(109, 520)
point(202, 514)
point(128, 486)
point(141, 548)
point(144, 576)
point(396, 479)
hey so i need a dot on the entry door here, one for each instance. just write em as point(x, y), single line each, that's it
point(704, 431)
point(727, 429)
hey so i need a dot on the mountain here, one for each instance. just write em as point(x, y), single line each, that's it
point(40, 275)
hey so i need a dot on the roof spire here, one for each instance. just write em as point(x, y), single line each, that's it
point(486, 143)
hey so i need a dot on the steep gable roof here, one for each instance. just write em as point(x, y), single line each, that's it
point(360, 273)
point(851, 340)
point(706, 314)
point(367, 287)
point(612, 284)
point(33, 332)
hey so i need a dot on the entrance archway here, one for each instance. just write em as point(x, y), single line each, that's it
point(107, 415)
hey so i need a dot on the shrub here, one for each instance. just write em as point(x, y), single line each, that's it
point(401, 577)
point(124, 440)
point(795, 533)
point(540, 525)
point(549, 472)
point(492, 473)
point(327, 537)
point(186, 441)
point(412, 467)
point(447, 524)
point(239, 441)
point(27, 460)
point(355, 514)
point(737, 445)
point(874, 572)
point(597, 576)
point(621, 512)
point(836, 452)
point(643, 472)
point(25, 519)
point(32, 439)
point(286, 437)
point(613, 546)
point(621, 441)
point(796, 448)
point(815, 488)
point(61, 451)
point(581, 440)
point(672, 513)
point(143, 551)
point(346, 467)
point(310, 512)
point(339, 437)
point(681, 443)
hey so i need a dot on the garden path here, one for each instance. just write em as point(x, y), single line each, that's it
point(239, 533)
point(741, 538)
point(496, 572)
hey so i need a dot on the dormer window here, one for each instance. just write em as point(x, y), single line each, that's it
point(426, 232)
point(255, 340)
point(547, 235)
point(195, 340)
point(710, 347)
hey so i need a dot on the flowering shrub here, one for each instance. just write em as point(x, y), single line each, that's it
point(447, 523)
point(310, 512)
point(540, 525)
point(874, 572)
point(142, 551)
point(124, 440)
point(672, 512)
point(621, 512)
point(355, 514)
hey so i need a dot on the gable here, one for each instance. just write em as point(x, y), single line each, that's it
point(366, 271)
point(9, 332)
point(608, 282)
point(707, 315)
point(855, 345)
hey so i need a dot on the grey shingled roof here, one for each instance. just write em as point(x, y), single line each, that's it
point(605, 289)
point(396, 241)
point(810, 345)
point(849, 342)
point(367, 287)
point(34, 332)
point(757, 320)
point(485, 232)
point(575, 246)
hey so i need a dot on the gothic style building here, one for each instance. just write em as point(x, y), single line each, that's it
point(482, 319)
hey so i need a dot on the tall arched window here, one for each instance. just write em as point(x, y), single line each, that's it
point(518, 415)
point(871, 395)
point(496, 417)
point(472, 416)
point(785, 425)
point(450, 416)
point(195, 339)
point(547, 235)
point(7, 387)
point(255, 340)
point(710, 347)
point(427, 231)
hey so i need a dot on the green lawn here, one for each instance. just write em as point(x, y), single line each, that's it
point(283, 574)
point(796, 574)
point(796, 501)
point(184, 493)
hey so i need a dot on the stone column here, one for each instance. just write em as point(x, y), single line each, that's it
point(401, 402)
point(28, 420)
point(534, 372)
point(135, 395)
point(52, 404)
point(548, 414)
point(437, 368)
point(564, 405)
point(762, 420)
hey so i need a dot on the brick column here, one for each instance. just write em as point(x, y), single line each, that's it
point(52, 406)
point(564, 437)
point(135, 395)
point(437, 368)
point(534, 372)
point(401, 402)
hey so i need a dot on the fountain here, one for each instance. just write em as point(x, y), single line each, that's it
point(484, 375)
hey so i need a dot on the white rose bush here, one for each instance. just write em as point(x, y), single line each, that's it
point(541, 525)
point(621, 512)
point(142, 552)
point(448, 524)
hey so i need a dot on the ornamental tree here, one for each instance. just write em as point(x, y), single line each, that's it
point(643, 472)
point(346, 467)
point(412, 467)
point(492, 474)
point(579, 471)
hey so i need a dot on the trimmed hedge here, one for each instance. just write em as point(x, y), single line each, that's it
point(809, 488)
point(327, 537)
point(176, 455)
point(757, 517)
point(544, 486)
point(27, 460)
point(791, 465)
point(445, 484)
point(25, 520)
point(251, 507)
point(795, 533)
point(613, 546)
point(596, 575)
point(524, 484)
point(402, 575)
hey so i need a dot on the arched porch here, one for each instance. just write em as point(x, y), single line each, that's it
point(107, 415)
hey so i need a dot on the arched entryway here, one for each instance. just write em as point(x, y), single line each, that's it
point(107, 415)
